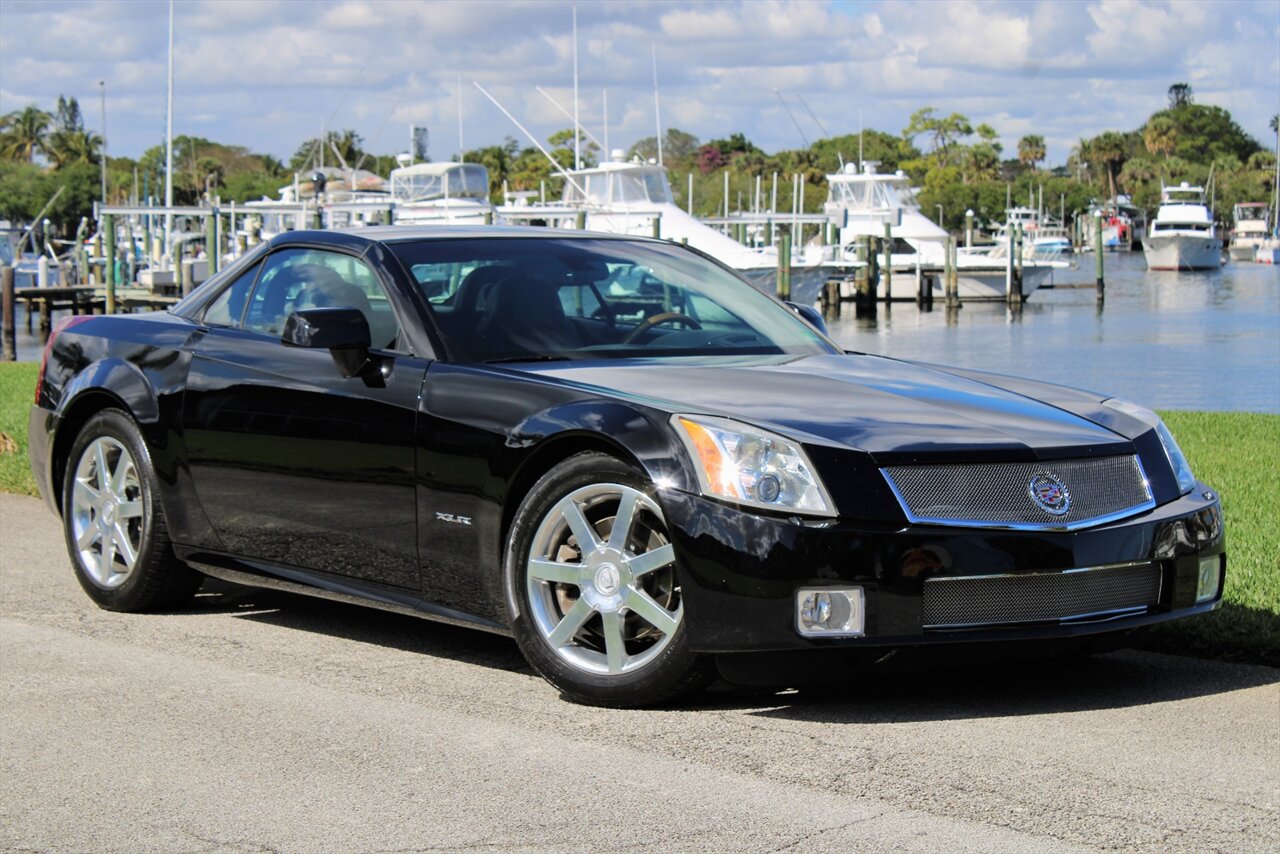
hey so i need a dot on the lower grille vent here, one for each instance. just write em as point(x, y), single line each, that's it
point(1080, 594)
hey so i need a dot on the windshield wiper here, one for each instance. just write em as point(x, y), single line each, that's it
point(543, 357)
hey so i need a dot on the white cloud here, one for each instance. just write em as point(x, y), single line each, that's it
point(266, 73)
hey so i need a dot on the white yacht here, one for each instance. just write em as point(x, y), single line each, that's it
point(1252, 225)
point(625, 197)
point(441, 193)
point(863, 201)
point(1183, 235)
point(1043, 239)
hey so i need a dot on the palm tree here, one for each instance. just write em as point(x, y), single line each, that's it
point(1160, 136)
point(78, 146)
point(1031, 150)
point(1108, 149)
point(25, 133)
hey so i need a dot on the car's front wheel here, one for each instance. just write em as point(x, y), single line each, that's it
point(591, 578)
point(114, 524)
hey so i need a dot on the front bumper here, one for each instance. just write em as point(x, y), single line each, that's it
point(739, 571)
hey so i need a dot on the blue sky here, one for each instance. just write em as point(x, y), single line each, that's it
point(267, 73)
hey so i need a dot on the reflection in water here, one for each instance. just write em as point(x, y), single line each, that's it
point(1205, 340)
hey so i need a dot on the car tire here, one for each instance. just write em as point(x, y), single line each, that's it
point(605, 623)
point(114, 523)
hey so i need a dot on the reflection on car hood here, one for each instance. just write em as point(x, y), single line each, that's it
point(895, 410)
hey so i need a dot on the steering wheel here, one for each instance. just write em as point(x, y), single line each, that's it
point(665, 317)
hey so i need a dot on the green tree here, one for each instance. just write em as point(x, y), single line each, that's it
point(1179, 95)
point(676, 145)
point(1031, 150)
point(944, 132)
point(1108, 150)
point(24, 133)
point(346, 144)
point(1160, 136)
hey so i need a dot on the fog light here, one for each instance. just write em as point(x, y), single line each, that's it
point(825, 612)
point(1210, 574)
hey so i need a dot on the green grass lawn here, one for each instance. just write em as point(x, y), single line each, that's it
point(1238, 454)
point(17, 388)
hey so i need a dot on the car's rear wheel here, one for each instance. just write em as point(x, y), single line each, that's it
point(591, 577)
point(114, 524)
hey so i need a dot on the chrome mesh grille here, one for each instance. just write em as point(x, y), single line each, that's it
point(991, 600)
point(998, 494)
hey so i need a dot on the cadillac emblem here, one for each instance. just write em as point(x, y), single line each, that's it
point(1049, 494)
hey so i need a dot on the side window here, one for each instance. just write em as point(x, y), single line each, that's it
point(228, 307)
point(296, 279)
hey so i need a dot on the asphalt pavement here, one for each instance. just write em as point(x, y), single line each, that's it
point(262, 721)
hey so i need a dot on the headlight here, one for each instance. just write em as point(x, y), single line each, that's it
point(747, 465)
point(1181, 468)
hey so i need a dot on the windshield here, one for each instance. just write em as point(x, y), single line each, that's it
point(629, 186)
point(512, 299)
point(469, 180)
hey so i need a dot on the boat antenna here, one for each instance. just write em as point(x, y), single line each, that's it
point(814, 116)
point(567, 114)
point(462, 149)
point(657, 112)
point(605, 93)
point(554, 163)
point(577, 132)
point(799, 130)
point(859, 139)
point(168, 149)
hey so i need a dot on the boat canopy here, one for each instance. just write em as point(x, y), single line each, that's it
point(426, 181)
point(883, 193)
point(614, 186)
point(1185, 194)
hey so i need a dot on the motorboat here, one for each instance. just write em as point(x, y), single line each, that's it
point(634, 197)
point(1250, 229)
point(1183, 235)
point(441, 194)
point(863, 201)
point(1042, 238)
point(1124, 224)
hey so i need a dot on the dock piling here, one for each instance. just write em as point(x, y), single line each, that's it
point(188, 275)
point(109, 245)
point(10, 333)
point(211, 240)
point(580, 221)
point(1010, 294)
point(888, 262)
point(1019, 239)
point(784, 263)
point(1097, 253)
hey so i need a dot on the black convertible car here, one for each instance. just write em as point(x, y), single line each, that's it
point(615, 450)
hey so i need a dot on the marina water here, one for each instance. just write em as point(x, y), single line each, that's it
point(1206, 340)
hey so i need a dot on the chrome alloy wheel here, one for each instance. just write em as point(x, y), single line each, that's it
point(601, 580)
point(107, 512)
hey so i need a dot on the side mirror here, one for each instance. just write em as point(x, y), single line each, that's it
point(344, 332)
point(810, 315)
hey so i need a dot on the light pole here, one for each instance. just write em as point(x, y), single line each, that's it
point(939, 207)
point(102, 84)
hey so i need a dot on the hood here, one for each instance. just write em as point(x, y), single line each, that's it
point(897, 411)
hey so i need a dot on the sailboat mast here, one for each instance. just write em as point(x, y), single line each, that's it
point(461, 148)
point(577, 134)
point(657, 111)
point(168, 147)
